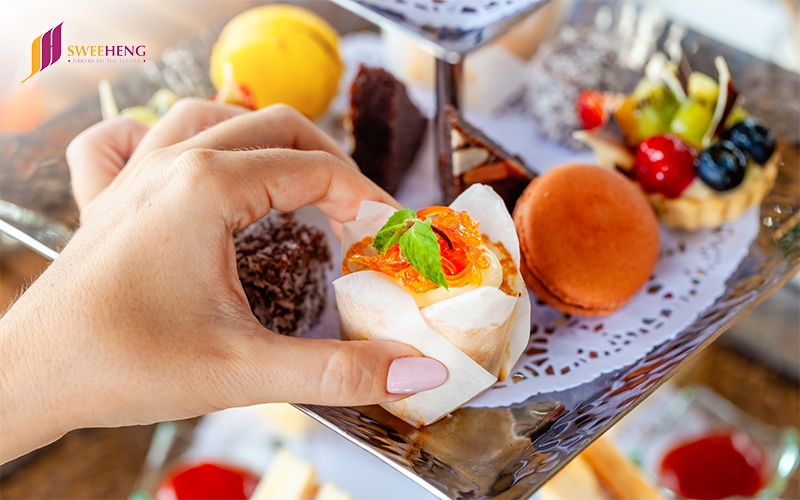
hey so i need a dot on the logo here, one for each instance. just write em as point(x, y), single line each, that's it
point(45, 50)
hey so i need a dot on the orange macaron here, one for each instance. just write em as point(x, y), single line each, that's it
point(589, 239)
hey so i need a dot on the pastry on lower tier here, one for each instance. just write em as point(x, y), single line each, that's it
point(387, 128)
point(282, 265)
point(588, 237)
point(292, 478)
point(472, 158)
point(600, 472)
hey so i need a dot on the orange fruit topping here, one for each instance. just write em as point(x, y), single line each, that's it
point(463, 259)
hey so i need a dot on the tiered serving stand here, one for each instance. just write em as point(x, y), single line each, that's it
point(477, 453)
point(447, 29)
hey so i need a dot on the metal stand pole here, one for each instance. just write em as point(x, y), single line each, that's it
point(448, 91)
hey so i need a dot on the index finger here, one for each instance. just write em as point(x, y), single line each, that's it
point(185, 119)
point(276, 126)
point(250, 183)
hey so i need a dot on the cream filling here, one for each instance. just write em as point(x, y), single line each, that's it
point(465, 159)
point(491, 276)
point(699, 190)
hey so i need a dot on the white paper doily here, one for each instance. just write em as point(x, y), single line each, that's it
point(565, 351)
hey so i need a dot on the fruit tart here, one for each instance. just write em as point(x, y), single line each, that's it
point(687, 141)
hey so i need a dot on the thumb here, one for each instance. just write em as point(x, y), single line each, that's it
point(338, 373)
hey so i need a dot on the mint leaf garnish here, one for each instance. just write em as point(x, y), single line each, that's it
point(388, 237)
point(400, 217)
point(394, 228)
point(420, 246)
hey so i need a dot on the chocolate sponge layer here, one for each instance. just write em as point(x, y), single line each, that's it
point(387, 127)
point(282, 265)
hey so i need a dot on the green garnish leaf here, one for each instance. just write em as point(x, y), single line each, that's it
point(394, 228)
point(400, 217)
point(388, 237)
point(420, 246)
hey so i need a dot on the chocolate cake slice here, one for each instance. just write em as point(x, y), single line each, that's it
point(282, 265)
point(387, 127)
point(469, 157)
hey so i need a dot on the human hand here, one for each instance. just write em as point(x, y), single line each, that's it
point(142, 318)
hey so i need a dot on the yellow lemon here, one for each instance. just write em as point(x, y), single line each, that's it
point(281, 54)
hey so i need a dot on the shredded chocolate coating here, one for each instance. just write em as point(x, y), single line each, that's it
point(282, 266)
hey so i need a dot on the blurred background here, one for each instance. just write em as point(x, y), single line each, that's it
point(767, 29)
point(754, 364)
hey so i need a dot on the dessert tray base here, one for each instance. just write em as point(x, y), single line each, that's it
point(498, 447)
point(508, 441)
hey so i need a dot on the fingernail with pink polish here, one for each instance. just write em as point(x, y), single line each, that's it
point(410, 375)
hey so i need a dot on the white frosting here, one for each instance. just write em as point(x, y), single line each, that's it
point(491, 276)
point(456, 139)
point(465, 160)
point(698, 190)
point(439, 294)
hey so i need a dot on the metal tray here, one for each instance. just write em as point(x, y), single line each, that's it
point(463, 27)
point(483, 452)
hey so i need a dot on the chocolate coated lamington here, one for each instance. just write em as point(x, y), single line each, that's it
point(282, 265)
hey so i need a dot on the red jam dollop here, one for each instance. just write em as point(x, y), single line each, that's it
point(208, 482)
point(716, 466)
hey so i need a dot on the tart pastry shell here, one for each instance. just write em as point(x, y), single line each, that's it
point(711, 208)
